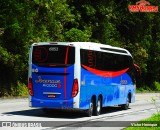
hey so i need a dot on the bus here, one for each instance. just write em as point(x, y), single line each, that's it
point(80, 75)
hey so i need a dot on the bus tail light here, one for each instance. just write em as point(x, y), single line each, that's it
point(30, 87)
point(75, 88)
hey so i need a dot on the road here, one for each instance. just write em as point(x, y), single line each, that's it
point(16, 112)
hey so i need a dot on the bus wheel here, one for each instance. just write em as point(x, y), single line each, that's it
point(98, 107)
point(126, 106)
point(89, 112)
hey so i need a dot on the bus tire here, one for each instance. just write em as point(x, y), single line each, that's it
point(98, 107)
point(89, 112)
point(126, 106)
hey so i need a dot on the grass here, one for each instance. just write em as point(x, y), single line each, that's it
point(152, 123)
point(143, 89)
point(155, 87)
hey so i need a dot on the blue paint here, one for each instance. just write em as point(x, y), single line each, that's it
point(50, 82)
point(111, 89)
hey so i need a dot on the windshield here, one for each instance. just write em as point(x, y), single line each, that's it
point(53, 55)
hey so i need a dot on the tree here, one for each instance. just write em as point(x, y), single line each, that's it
point(22, 23)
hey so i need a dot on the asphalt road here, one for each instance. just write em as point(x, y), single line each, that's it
point(15, 112)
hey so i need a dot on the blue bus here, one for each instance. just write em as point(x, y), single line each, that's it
point(80, 75)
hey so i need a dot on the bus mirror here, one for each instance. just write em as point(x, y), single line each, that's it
point(137, 70)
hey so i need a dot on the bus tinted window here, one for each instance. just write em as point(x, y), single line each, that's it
point(105, 61)
point(53, 55)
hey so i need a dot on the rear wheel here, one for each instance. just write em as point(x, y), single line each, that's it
point(126, 106)
point(98, 107)
point(89, 112)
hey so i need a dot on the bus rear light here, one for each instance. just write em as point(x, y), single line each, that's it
point(30, 87)
point(75, 88)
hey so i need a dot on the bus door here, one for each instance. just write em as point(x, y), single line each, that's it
point(53, 71)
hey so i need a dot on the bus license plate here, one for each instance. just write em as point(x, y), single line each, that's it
point(51, 95)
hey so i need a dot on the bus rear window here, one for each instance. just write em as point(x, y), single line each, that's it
point(53, 55)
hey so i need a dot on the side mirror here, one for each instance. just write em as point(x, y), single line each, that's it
point(137, 70)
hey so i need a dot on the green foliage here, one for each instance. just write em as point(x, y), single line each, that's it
point(19, 90)
point(140, 55)
point(143, 89)
point(156, 86)
point(107, 22)
point(155, 117)
point(77, 35)
point(153, 120)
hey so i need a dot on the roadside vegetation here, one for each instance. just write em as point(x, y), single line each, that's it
point(154, 88)
point(20, 90)
point(106, 22)
point(152, 123)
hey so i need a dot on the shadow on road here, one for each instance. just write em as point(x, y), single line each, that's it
point(62, 113)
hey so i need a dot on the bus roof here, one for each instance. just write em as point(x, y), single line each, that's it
point(90, 46)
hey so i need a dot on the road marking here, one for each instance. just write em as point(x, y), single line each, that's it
point(108, 116)
point(6, 114)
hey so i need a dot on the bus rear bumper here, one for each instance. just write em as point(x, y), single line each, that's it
point(34, 102)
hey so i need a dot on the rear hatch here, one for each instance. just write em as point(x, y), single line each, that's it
point(53, 71)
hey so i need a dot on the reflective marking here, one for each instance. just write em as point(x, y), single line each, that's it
point(50, 93)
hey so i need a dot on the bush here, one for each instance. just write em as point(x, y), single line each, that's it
point(19, 90)
point(156, 86)
point(143, 89)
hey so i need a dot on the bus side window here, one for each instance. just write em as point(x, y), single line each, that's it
point(91, 59)
point(88, 58)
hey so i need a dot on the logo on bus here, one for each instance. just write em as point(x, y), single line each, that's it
point(52, 85)
point(124, 81)
point(48, 82)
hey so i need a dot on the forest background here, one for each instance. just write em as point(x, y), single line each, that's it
point(23, 22)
